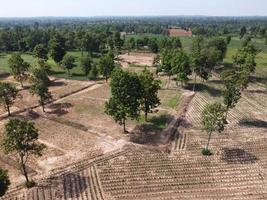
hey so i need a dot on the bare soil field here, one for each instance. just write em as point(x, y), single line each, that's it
point(88, 157)
point(74, 126)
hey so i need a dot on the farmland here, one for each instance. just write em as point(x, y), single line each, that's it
point(106, 158)
point(148, 138)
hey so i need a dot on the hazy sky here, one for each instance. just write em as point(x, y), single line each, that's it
point(30, 8)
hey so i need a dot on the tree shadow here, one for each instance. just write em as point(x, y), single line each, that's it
point(200, 87)
point(238, 156)
point(256, 79)
point(150, 132)
point(257, 91)
point(253, 123)
point(57, 72)
point(57, 83)
point(78, 75)
point(32, 115)
point(59, 109)
point(4, 75)
point(70, 186)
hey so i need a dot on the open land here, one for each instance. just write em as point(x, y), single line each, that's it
point(88, 157)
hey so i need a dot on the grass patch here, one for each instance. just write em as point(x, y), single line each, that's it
point(57, 71)
point(155, 122)
point(89, 109)
point(138, 65)
point(169, 98)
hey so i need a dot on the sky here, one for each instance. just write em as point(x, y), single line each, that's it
point(86, 8)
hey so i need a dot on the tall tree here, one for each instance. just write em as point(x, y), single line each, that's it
point(118, 42)
point(57, 48)
point(21, 138)
point(125, 100)
point(106, 65)
point(88, 43)
point(4, 182)
point(19, 68)
point(243, 31)
point(166, 61)
point(68, 63)
point(93, 73)
point(40, 86)
point(86, 64)
point(40, 51)
point(181, 66)
point(151, 87)
point(213, 118)
point(8, 95)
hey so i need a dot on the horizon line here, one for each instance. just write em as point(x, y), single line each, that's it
point(97, 16)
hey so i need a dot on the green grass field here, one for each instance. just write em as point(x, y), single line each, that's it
point(57, 71)
point(77, 73)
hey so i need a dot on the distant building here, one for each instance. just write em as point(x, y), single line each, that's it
point(177, 32)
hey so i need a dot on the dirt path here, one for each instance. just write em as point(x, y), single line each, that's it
point(74, 93)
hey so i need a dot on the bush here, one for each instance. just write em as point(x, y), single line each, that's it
point(30, 184)
point(206, 152)
point(4, 182)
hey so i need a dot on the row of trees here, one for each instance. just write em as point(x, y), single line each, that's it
point(154, 44)
point(236, 79)
point(205, 55)
point(131, 94)
point(20, 70)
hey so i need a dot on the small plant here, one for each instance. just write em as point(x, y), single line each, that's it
point(30, 184)
point(206, 152)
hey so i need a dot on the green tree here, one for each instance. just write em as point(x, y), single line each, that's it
point(151, 87)
point(181, 66)
point(166, 61)
point(21, 138)
point(4, 182)
point(126, 95)
point(19, 68)
point(232, 89)
point(196, 55)
point(213, 118)
point(42, 64)
point(106, 65)
point(153, 45)
point(93, 73)
point(86, 64)
point(57, 48)
point(243, 31)
point(88, 43)
point(40, 86)
point(228, 39)
point(8, 95)
point(118, 42)
point(40, 51)
point(68, 63)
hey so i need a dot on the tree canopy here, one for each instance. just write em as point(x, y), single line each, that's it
point(8, 95)
point(126, 94)
point(21, 138)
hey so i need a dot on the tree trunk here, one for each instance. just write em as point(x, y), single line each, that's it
point(43, 107)
point(207, 147)
point(195, 81)
point(8, 110)
point(68, 72)
point(124, 126)
point(106, 79)
point(146, 116)
point(24, 170)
